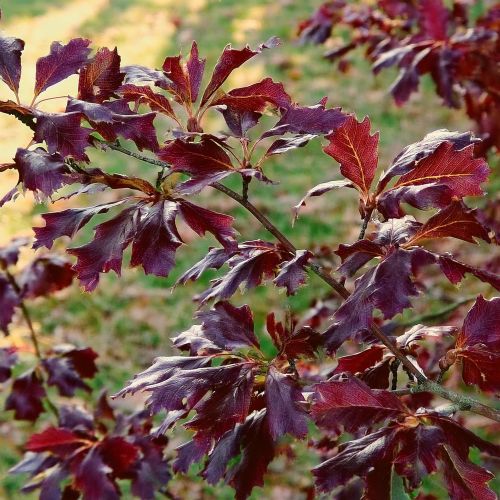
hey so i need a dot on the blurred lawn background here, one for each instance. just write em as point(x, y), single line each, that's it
point(129, 321)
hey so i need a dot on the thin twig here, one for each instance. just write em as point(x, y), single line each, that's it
point(423, 383)
point(425, 318)
point(366, 220)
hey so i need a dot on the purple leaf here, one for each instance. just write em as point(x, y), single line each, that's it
point(283, 401)
point(292, 273)
point(40, 171)
point(10, 61)
point(63, 61)
point(9, 300)
point(62, 133)
point(8, 358)
point(228, 327)
point(26, 396)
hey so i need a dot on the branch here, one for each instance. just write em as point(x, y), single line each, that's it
point(423, 383)
point(366, 220)
point(424, 318)
point(34, 338)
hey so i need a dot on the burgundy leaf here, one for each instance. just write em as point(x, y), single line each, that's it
point(464, 479)
point(105, 252)
point(62, 374)
point(455, 271)
point(10, 61)
point(25, 398)
point(45, 275)
point(457, 173)
point(9, 300)
point(357, 458)
point(228, 327)
point(281, 146)
point(352, 146)
point(352, 404)
point(253, 440)
point(355, 256)
point(361, 361)
point(67, 223)
point(56, 440)
point(101, 77)
point(318, 190)
point(455, 221)
point(387, 287)
point(434, 19)
point(229, 60)
point(9, 254)
point(418, 453)
point(255, 261)
point(195, 342)
point(118, 454)
point(292, 273)
point(201, 220)
point(63, 61)
point(161, 370)
point(215, 259)
point(156, 239)
point(195, 69)
point(141, 74)
point(40, 171)
point(414, 153)
point(144, 95)
point(62, 133)
point(204, 159)
point(283, 401)
point(308, 120)
point(482, 325)
point(93, 479)
point(255, 97)
point(8, 358)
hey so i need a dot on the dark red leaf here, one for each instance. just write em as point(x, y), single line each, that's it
point(8, 358)
point(292, 273)
point(61, 374)
point(56, 440)
point(308, 120)
point(283, 400)
point(118, 454)
point(228, 327)
point(359, 362)
point(204, 160)
point(457, 171)
point(229, 60)
point(195, 68)
point(357, 458)
point(105, 251)
point(25, 398)
point(355, 256)
point(407, 160)
point(9, 254)
point(352, 404)
point(433, 19)
point(63, 61)
point(455, 221)
point(253, 440)
point(255, 261)
point(156, 238)
point(101, 77)
point(92, 477)
point(40, 171)
point(201, 220)
point(10, 61)
point(45, 275)
point(255, 97)
point(83, 360)
point(352, 146)
point(465, 480)
point(215, 259)
point(144, 95)
point(63, 134)
point(318, 190)
point(455, 271)
point(67, 223)
point(9, 300)
point(418, 452)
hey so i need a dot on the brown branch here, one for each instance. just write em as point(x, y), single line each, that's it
point(423, 383)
